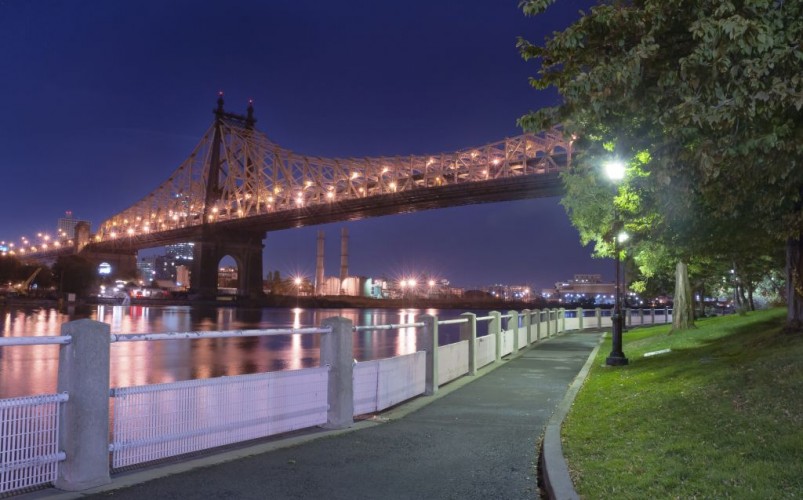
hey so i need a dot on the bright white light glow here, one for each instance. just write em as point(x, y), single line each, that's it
point(614, 170)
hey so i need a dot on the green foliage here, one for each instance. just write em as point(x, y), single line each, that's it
point(8, 267)
point(712, 89)
point(702, 100)
point(75, 274)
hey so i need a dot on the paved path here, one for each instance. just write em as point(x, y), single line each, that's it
point(477, 441)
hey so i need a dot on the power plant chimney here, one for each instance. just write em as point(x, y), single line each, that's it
point(319, 267)
point(344, 255)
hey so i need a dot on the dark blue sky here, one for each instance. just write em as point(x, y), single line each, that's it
point(103, 100)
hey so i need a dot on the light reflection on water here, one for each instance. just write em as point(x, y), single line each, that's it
point(30, 370)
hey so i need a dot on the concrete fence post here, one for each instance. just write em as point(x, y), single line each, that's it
point(338, 354)
point(548, 322)
point(428, 342)
point(579, 318)
point(652, 313)
point(641, 316)
point(468, 332)
point(598, 314)
point(537, 323)
point(495, 329)
point(555, 329)
point(562, 320)
point(84, 425)
point(666, 315)
point(513, 325)
point(528, 325)
point(628, 317)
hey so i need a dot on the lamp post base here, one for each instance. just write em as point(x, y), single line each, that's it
point(616, 360)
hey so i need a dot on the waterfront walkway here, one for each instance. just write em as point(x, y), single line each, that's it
point(476, 439)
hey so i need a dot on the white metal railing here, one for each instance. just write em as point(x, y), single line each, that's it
point(486, 351)
point(29, 451)
point(43, 340)
point(452, 361)
point(164, 420)
point(159, 421)
point(217, 334)
point(389, 326)
point(381, 383)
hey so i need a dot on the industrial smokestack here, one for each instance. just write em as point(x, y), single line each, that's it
point(344, 255)
point(319, 266)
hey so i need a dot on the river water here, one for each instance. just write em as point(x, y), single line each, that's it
point(32, 370)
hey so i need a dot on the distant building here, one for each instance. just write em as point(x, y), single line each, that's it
point(510, 292)
point(227, 277)
point(182, 276)
point(583, 288)
point(180, 251)
point(176, 255)
point(66, 226)
point(147, 269)
point(164, 268)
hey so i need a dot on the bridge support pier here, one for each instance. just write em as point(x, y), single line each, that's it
point(246, 250)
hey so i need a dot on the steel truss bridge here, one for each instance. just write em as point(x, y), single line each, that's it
point(237, 184)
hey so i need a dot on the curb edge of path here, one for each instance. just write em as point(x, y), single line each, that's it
point(557, 481)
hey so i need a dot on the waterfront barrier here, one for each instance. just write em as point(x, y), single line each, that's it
point(76, 438)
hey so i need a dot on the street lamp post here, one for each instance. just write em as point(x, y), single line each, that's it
point(615, 170)
point(297, 281)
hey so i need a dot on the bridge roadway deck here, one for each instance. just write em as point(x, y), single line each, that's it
point(475, 439)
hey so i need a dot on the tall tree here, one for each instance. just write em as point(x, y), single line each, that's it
point(711, 91)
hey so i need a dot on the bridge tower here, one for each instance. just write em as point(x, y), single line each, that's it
point(216, 241)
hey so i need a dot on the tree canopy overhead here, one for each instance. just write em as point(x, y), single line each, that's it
point(702, 98)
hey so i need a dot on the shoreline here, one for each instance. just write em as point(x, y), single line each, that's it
point(285, 301)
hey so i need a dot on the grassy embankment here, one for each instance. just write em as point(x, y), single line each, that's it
point(720, 416)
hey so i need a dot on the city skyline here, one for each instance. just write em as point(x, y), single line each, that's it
point(105, 101)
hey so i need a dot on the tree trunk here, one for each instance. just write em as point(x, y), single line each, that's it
point(683, 308)
point(794, 286)
point(750, 301)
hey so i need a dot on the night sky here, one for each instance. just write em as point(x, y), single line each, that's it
point(103, 100)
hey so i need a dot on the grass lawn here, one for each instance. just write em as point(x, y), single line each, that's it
point(720, 416)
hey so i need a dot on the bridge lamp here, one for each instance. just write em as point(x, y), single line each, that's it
point(615, 171)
